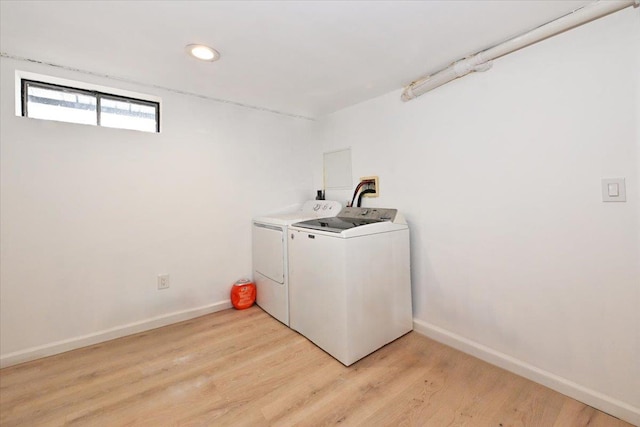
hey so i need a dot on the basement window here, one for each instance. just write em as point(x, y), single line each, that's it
point(41, 100)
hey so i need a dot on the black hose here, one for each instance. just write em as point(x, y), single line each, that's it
point(355, 193)
point(358, 187)
point(362, 193)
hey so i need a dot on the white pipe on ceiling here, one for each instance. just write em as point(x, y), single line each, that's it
point(481, 61)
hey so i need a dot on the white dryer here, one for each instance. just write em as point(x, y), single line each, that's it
point(270, 259)
point(350, 279)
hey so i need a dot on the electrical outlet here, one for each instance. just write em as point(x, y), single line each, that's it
point(375, 186)
point(163, 281)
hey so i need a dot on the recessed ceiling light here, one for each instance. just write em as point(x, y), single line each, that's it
point(204, 53)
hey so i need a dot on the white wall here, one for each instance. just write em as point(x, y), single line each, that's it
point(514, 255)
point(90, 216)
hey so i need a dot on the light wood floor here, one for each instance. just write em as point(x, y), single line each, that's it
point(245, 368)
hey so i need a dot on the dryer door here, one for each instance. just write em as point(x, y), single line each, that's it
point(268, 251)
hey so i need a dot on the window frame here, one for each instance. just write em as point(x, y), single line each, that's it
point(26, 82)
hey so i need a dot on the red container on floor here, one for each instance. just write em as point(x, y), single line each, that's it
point(243, 294)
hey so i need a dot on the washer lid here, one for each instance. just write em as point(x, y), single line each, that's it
point(350, 218)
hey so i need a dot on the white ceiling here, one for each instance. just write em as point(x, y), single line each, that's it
point(305, 58)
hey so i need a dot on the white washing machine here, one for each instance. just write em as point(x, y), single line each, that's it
point(350, 283)
point(270, 260)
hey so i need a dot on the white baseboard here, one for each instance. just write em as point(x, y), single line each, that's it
point(109, 334)
point(590, 397)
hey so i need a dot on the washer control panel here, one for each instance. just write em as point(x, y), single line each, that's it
point(375, 214)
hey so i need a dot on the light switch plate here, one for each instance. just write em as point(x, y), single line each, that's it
point(611, 186)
